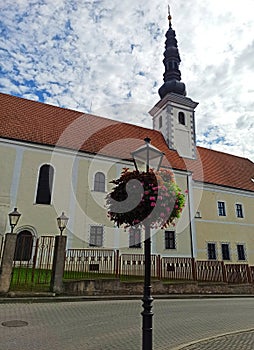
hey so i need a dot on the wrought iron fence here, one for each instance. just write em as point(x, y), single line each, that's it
point(32, 262)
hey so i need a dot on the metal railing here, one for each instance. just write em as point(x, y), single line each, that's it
point(32, 264)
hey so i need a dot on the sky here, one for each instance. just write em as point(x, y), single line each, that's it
point(105, 57)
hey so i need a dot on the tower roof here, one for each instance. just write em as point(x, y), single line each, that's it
point(172, 75)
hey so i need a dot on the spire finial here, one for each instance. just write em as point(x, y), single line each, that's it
point(172, 75)
point(169, 16)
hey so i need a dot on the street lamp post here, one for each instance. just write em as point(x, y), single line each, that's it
point(147, 154)
point(9, 253)
point(14, 217)
point(62, 221)
point(56, 283)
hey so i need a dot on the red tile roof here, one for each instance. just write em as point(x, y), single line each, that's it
point(222, 169)
point(36, 122)
point(39, 123)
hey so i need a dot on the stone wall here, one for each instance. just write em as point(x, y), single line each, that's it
point(116, 287)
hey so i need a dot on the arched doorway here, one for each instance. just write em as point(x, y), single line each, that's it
point(24, 246)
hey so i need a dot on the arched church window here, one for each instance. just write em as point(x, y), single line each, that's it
point(181, 118)
point(45, 182)
point(24, 246)
point(99, 182)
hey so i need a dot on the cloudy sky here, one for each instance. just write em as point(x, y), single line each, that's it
point(105, 57)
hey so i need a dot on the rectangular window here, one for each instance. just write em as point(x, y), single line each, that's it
point(225, 251)
point(221, 209)
point(241, 252)
point(134, 238)
point(170, 240)
point(160, 122)
point(96, 236)
point(239, 210)
point(211, 251)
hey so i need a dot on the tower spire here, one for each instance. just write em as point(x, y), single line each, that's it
point(169, 16)
point(172, 75)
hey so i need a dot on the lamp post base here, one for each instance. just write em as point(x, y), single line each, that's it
point(147, 314)
point(147, 327)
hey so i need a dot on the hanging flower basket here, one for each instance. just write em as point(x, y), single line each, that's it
point(140, 198)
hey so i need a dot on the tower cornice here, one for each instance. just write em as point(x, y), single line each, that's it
point(173, 98)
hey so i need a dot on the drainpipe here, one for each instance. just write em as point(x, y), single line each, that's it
point(191, 216)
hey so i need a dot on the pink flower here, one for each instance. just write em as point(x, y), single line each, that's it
point(153, 204)
point(160, 197)
point(146, 192)
point(162, 215)
point(168, 210)
point(152, 199)
point(176, 206)
point(186, 191)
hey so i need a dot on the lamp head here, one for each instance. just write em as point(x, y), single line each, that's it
point(14, 217)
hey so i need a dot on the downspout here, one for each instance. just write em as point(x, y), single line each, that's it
point(191, 216)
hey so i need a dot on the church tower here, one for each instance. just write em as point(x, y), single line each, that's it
point(173, 115)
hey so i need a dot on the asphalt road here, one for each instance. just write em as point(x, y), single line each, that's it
point(95, 325)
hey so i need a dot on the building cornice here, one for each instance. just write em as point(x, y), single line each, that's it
point(221, 189)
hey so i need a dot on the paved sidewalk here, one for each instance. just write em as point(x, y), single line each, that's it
point(235, 341)
point(98, 323)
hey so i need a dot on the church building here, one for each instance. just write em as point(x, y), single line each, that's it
point(56, 160)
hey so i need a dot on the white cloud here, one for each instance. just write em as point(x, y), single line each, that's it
point(95, 54)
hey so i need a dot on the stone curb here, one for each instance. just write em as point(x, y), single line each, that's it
point(52, 297)
point(216, 337)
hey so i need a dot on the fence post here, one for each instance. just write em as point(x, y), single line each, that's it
point(249, 274)
point(194, 269)
point(224, 273)
point(7, 262)
point(56, 284)
point(158, 263)
point(116, 263)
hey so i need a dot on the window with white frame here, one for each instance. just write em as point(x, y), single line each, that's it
point(99, 182)
point(221, 208)
point(211, 251)
point(134, 237)
point(170, 240)
point(225, 252)
point(239, 210)
point(241, 252)
point(96, 236)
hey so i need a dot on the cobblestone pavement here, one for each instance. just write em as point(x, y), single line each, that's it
point(109, 325)
point(237, 341)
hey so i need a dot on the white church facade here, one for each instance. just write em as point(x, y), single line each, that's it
point(57, 160)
